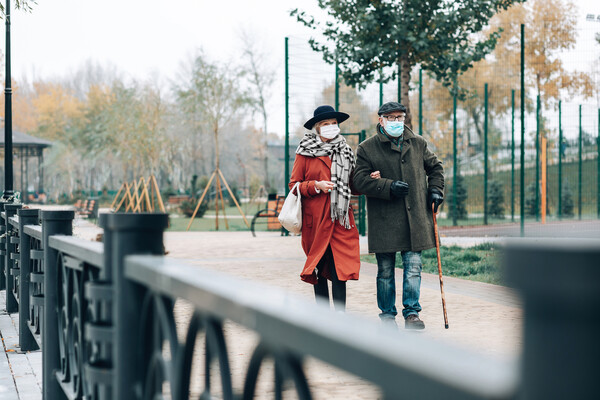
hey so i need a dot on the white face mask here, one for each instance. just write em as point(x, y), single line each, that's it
point(329, 131)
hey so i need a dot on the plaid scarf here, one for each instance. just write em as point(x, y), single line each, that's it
point(342, 164)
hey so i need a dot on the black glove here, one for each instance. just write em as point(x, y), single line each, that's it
point(399, 189)
point(436, 198)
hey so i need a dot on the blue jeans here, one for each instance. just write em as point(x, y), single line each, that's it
point(386, 283)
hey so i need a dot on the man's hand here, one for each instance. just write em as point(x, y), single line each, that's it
point(324, 186)
point(375, 175)
point(399, 189)
point(436, 198)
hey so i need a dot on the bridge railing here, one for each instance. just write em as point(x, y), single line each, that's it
point(104, 316)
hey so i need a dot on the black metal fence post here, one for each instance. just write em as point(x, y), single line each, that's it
point(11, 302)
point(561, 316)
point(53, 223)
point(26, 217)
point(2, 252)
point(127, 234)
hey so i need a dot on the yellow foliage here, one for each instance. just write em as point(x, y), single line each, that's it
point(56, 106)
point(24, 113)
point(550, 28)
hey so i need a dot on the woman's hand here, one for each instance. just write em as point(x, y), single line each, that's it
point(375, 175)
point(324, 186)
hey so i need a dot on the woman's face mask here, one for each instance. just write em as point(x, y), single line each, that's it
point(394, 128)
point(329, 131)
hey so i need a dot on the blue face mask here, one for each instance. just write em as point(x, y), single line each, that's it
point(394, 128)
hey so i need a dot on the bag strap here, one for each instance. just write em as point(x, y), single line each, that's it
point(296, 188)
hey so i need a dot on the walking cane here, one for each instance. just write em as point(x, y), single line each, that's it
point(439, 260)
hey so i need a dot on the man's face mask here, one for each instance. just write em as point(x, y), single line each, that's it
point(394, 128)
point(329, 131)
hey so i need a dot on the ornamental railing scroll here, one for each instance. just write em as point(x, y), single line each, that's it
point(104, 313)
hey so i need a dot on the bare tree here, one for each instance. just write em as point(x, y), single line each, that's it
point(261, 76)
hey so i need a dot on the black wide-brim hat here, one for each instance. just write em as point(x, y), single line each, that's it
point(325, 112)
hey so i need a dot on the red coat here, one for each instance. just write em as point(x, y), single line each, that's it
point(318, 230)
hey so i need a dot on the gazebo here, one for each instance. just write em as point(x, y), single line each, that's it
point(25, 147)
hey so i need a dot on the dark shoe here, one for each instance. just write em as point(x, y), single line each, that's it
point(413, 322)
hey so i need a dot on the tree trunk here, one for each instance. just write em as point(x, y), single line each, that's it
point(216, 133)
point(478, 128)
point(267, 183)
point(405, 81)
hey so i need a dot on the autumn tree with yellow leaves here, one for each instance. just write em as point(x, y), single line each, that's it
point(550, 32)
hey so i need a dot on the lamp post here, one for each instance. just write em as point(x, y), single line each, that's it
point(8, 167)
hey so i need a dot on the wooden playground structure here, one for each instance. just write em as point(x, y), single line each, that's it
point(141, 195)
point(219, 179)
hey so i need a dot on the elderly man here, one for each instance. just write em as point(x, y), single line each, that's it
point(402, 180)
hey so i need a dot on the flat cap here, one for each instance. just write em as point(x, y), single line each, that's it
point(391, 106)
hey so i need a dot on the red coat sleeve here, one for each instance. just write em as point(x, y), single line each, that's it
point(307, 188)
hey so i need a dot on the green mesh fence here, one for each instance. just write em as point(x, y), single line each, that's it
point(562, 97)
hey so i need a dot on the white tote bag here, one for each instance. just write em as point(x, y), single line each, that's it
point(290, 215)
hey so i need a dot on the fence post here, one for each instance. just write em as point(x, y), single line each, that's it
point(421, 101)
point(2, 240)
point(11, 302)
point(485, 155)
point(286, 156)
point(560, 341)
point(399, 81)
point(127, 234)
point(53, 223)
point(512, 156)
point(560, 157)
point(380, 87)
point(580, 162)
point(522, 130)
point(26, 217)
point(337, 86)
point(454, 157)
point(537, 159)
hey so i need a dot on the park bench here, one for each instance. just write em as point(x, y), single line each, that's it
point(36, 198)
point(178, 199)
point(87, 208)
point(268, 215)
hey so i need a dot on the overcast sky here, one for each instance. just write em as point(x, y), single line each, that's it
point(146, 38)
point(142, 37)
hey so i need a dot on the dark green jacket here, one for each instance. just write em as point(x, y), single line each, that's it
point(398, 224)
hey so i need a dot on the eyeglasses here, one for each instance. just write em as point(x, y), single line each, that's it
point(394, 117)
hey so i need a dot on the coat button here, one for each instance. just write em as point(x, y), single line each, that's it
point(408, 208)
point(403, 160)
point(378, 188)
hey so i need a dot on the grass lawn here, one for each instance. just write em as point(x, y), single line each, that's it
point(208, 224)
point(479, 263)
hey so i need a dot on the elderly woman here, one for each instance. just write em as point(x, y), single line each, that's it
point(323, 166)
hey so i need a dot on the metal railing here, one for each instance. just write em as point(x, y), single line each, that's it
point(104, 313)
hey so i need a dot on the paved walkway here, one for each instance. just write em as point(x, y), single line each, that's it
point(482, 317)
